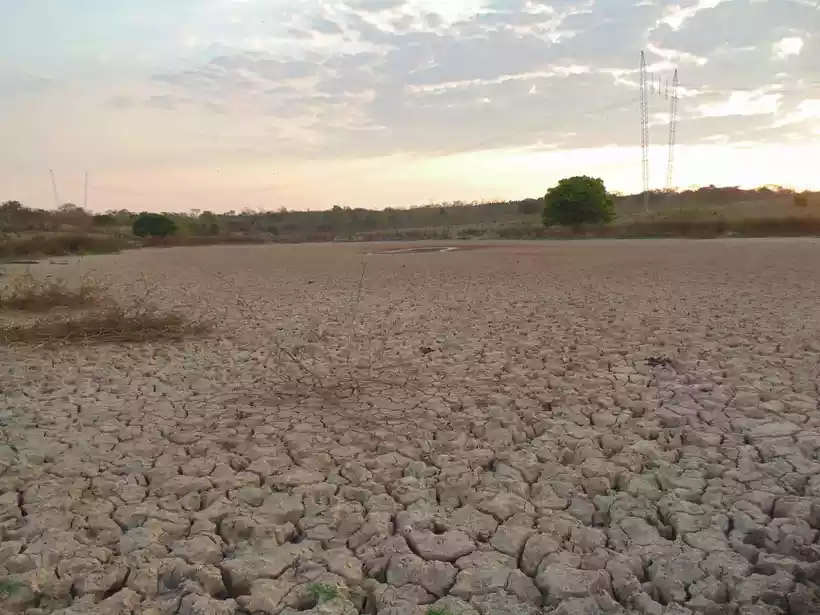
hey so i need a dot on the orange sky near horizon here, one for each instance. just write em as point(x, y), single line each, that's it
point(224, 105)
point(406, 181)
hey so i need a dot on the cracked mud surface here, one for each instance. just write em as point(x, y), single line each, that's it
point(533, 452)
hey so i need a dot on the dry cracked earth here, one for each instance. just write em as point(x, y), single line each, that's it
point(567, 428)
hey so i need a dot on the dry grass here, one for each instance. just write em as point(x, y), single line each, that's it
point(676, 225)
point(27, 294)
point(94, 317)
point(109, 325)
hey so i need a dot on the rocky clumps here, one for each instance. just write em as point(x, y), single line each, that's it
point(534, 463)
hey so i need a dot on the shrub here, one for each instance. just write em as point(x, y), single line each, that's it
point(27, 294)
point(322, 592)
point(470, 232)
point(153, 225)
point(110, 323)
point(58, 244)
point(96, 319)
point(578, 200)
point(777, 227)
point(104, 220)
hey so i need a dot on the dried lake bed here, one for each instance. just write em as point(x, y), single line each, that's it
point(573, 427)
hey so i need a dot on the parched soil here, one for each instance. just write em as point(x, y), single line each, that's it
point(571, 428)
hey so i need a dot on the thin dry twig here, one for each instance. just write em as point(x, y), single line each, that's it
point(346, 376)
point(354, 315)
point(249, 313)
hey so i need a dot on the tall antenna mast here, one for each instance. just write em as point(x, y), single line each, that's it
point(85, 192)
point(673, 128)
point(644, 135)
point(54, 188)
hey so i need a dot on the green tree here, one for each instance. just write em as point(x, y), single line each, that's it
point(578, 200)
point(153, 225)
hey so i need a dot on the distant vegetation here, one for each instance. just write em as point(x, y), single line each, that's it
point(21, 244)
point(576, 201)
point(153, 225)
point(706, 212)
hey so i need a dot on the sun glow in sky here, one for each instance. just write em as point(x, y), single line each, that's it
point(225, 104)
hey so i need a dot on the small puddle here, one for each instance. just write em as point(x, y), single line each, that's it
point(415, 250)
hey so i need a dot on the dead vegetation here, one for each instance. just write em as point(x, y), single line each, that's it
point(683, 224)
point(340, 358)
point(25, 293)
point(20, 245)
point(85, 314)
point(112, 324)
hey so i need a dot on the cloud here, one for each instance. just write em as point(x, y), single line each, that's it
point(611, 35)
point(377, 77)
point(325, 26)
point(433, 20)
point(403, 22)
point(742, 55)
point(163, 101)
point(23, 83)
point(518, 75)
point(789, 46)
point(375, 6)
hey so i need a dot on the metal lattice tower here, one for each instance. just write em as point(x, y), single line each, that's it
point(673, 129)
point(644, 134)
point(54, 189)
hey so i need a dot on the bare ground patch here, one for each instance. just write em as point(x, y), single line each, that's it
point(624, 427)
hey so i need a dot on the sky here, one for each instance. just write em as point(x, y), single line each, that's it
point(306, 104)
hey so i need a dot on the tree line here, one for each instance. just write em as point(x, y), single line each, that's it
point(339, 221)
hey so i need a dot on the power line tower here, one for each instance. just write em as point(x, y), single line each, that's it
point(644, 134)
point(673, 129)
point(54, 189)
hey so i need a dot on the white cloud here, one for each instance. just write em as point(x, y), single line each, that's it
point(742, 103)
point(789, 46)
point(677, 14)
point(805, 110)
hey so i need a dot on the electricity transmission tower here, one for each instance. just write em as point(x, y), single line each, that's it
point(644, 134)
point(655, 90)
point(54, 189)
point(673, 129)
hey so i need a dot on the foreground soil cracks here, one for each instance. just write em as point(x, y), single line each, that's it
point(581, 428)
